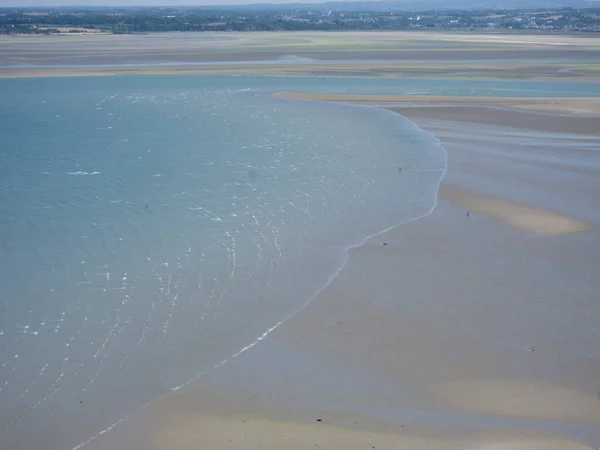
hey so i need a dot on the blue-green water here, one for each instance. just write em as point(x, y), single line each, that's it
point(153, 227)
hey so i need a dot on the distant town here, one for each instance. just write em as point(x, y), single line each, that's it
point(281, 18)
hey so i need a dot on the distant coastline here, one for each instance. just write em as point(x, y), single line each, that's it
point(341, 16)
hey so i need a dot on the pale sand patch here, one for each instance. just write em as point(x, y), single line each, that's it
point(229, 433)
point(522, 398)
point(589, 106)
point(523, 217)
point(217, 433)
point(534, 445)
point(560, 105)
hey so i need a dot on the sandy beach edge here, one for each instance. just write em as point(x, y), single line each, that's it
point(527, 113)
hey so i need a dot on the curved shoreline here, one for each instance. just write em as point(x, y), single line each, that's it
point(524, 217)
point(410, 246)
point(505, 213)
point(336, 273)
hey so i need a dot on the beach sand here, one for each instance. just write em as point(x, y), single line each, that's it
point(476, 331)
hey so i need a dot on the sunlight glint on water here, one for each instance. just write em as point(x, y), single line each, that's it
point(152, 227)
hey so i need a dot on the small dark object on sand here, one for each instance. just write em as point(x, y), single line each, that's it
point(319, 420)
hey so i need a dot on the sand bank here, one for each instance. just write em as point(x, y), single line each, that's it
point(383, 54)
point(274, 63)
point(526, 218)
point(557, 105)
point(525, 398)
point(241, 432)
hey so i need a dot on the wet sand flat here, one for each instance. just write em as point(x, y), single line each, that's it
point(476, 331)
point(389, 54)
point(396, 67)
point(419, 103)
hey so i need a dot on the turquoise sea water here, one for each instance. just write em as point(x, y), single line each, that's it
point(153, 227)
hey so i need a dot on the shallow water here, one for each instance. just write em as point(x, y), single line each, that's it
point(154, 226)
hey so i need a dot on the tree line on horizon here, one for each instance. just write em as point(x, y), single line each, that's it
point(143, 20)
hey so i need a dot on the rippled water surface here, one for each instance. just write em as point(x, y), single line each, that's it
point(154, 226)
